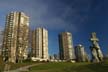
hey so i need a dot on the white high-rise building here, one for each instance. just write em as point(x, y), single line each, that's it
point(15, 38)
point(80, 53)
point(66, 49)
point(40, 44)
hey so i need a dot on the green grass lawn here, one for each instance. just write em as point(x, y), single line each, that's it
point(61, 66)
point(18, 65)
point(70, 67)
point(15, 65)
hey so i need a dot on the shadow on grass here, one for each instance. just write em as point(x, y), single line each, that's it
point(100, 67)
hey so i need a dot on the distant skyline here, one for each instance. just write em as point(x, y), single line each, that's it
point(80, 17)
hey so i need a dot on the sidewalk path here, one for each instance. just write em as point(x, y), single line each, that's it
point(25, 68)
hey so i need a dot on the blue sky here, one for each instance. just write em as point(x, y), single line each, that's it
point(80, 17)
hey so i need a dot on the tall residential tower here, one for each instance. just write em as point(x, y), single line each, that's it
point(40, 44)
point(80, 53)
point(15, 40)
point(66, 49)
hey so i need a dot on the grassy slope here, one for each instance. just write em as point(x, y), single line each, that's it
point(61, 67)
point(14, 66)
point(18, 65)
point(70, 67)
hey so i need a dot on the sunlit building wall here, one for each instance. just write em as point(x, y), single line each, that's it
point(40, 43)
point(66, 49)
point(15, 38)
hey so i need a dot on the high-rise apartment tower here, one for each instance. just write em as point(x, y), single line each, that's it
point(81, 55)
point(15, 40)
point(66, 49)
point(40, 44)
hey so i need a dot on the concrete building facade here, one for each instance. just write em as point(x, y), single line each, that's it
point(66, 49)
point(40, 44)
point(81, 55)
point(15, 38)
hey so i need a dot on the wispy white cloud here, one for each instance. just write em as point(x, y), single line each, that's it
point(52, 14)
point(40, 13)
